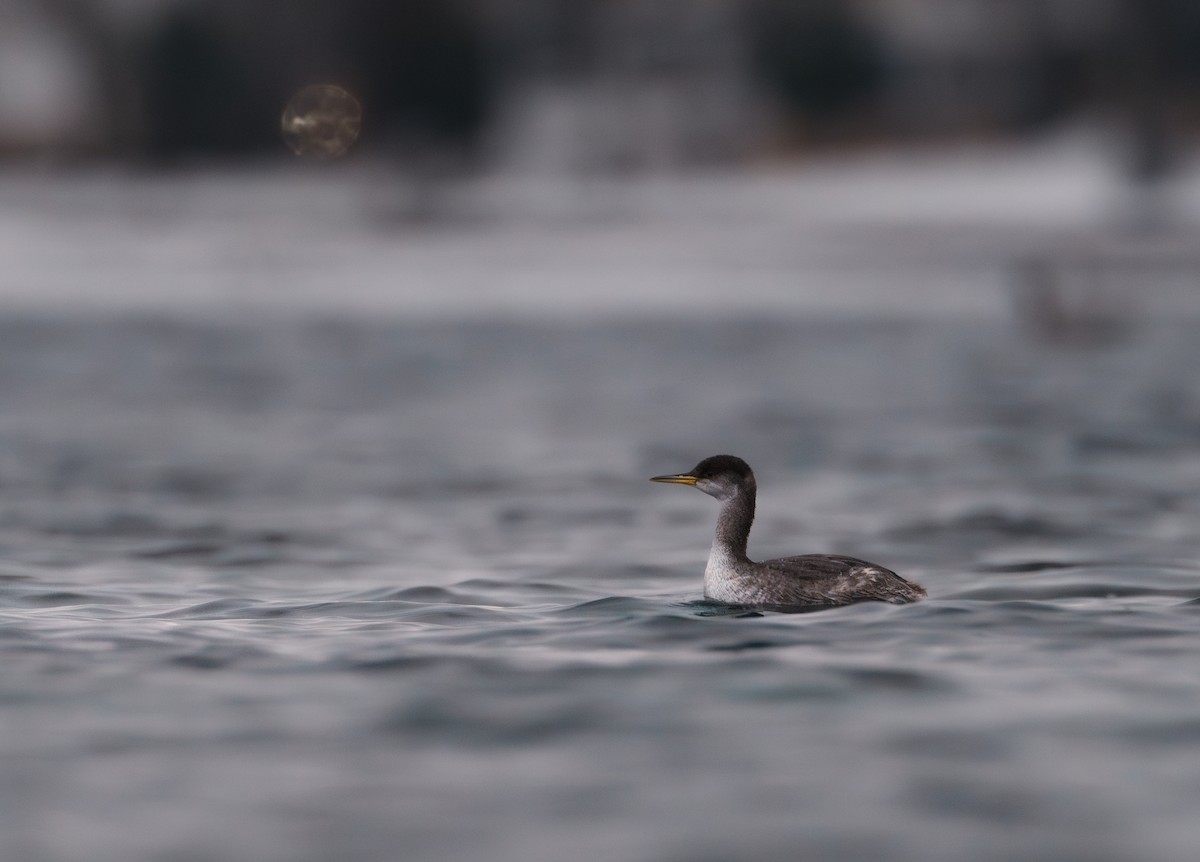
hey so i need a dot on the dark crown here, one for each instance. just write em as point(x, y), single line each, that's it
point(718, 465)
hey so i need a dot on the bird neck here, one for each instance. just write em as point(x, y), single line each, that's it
point(733, 524)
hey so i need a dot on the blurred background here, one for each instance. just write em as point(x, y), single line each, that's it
point(594, 85)
point(910, 142)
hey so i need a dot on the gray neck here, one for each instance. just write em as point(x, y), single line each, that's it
point(733, 524)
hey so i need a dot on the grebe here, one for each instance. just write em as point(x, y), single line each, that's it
point(805, 581)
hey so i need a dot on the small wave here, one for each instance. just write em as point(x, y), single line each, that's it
point(606, 606)
point(959, 746)
point(896, 679)
point(749, 644)
point(214, 609)
point(62, 598)
point(217, 656)
point(1069, 590)
point(58, 598)
point(510, 593)
point(514, 709)
point(175, 548)
point(452, 615)
point(1030, 567)
point(992, 523)
point(107, 525)
point(423, 594)
point(214, 544)
point(1163, 734)
point(389, 663)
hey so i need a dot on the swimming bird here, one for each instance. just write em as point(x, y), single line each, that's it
point(789, 583)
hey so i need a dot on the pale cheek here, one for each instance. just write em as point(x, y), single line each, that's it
point(717, 491)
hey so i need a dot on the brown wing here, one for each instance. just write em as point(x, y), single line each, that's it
point(834, 579)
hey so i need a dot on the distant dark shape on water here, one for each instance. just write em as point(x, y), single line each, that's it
point(788, 583)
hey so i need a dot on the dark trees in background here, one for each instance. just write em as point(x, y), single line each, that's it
point(1155, 73)
point(209, 78)
point(213, 84)
point(423, 69)
point(818, 59)
point(198, 98)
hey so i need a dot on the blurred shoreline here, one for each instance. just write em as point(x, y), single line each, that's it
point(915, 232)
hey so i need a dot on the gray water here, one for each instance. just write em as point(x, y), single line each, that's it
point(321, 589)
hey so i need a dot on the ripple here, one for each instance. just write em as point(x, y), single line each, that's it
point(897, 679)
point(607, 606)
point(988, 523)
point(33, 597)
point(491, 585)
point(1027, 591)
point(453, 615)
point(957, 745)
point(215, 609)
point(749, 644)
point(58, 598)
point(1031, 567)
point(391, 663)
point(218, 656)
point(176, 548)
point(427, 595)
point(1169, 733)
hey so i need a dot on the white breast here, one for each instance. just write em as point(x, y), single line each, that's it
point(721, 583)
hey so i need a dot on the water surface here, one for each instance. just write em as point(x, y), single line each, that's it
point(323, 589)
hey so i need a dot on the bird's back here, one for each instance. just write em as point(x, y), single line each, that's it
point(821, 580)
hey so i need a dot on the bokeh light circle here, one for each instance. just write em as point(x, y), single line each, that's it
point(321, 121)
